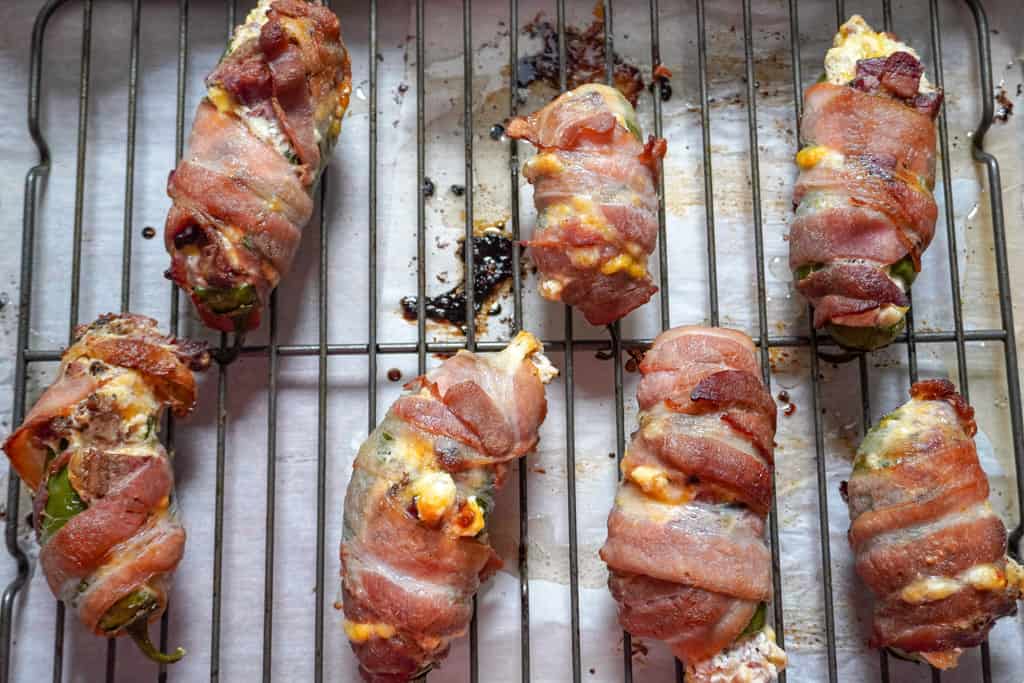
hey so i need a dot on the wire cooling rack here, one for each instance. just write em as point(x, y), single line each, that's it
point(567, 344)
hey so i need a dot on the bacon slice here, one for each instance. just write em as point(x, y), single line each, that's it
point(243, 190)
point(926, 540)
point(685, 550)
point(595, 190)
point(863, 198)
point(414, 549)
point(92, 439)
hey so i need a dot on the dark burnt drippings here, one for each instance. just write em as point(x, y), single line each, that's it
point(584, 50)
point(492, 267)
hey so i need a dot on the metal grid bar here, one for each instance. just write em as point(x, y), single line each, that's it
point(762, 304)
point(517, 325)
point(568, 345)
point(179, 148)
point(388, 348)
point(469, 276)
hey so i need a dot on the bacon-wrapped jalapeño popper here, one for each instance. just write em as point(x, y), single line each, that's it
point(414, 548)
point(261, 137)
point(104, 509)
point(686, 554)
point(596, 193)
point(926, 539)
point(864, 206)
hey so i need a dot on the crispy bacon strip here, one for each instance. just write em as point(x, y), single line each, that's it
point(864, 206)
point(414, 549)
point(109, 534)
point(243, 190)
point(595, 189)
point(687, 559)
point(927, 542)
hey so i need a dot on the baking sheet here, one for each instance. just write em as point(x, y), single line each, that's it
point(347, 214)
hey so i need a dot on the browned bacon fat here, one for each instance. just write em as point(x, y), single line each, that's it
point(687, 559)
point(102, 481)
point(926, 539)
point(864, 205)
point(595, 189)
point(243, 191)
point(414, 548)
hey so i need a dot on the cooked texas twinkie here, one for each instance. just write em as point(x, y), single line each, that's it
point(104, 510)
point(595, 189)
point(261, 138)
point(686, 554)
point(927, 541)
point(864, 206)
point(414, 548)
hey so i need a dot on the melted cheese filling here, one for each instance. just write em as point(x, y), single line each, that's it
point(250, 28)
point(903, 424)
point(434, 493)
point(809, 157)
point(655, 483)
point(753, 659)
point(982, 577)
point(267, 130)
point(856, 40)
point(362, 632)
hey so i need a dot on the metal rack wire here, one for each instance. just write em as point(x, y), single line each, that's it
point(568, 344)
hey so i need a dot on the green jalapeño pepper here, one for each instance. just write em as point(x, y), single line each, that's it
point(62, 503)
point(904, 270)
point(131, 614)
point(864, 338)
point(237, 300)
point(756, 621)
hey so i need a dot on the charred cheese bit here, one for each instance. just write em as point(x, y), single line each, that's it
point(624, 262)
point(809, 157)
point(470, 520)
point(360, 633)
point(434, 493)
point(856, 40)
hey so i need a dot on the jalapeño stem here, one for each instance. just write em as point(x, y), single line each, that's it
point(131, 614)
point(139, 631)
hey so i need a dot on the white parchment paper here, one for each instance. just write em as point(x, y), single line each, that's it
point(245, 459)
